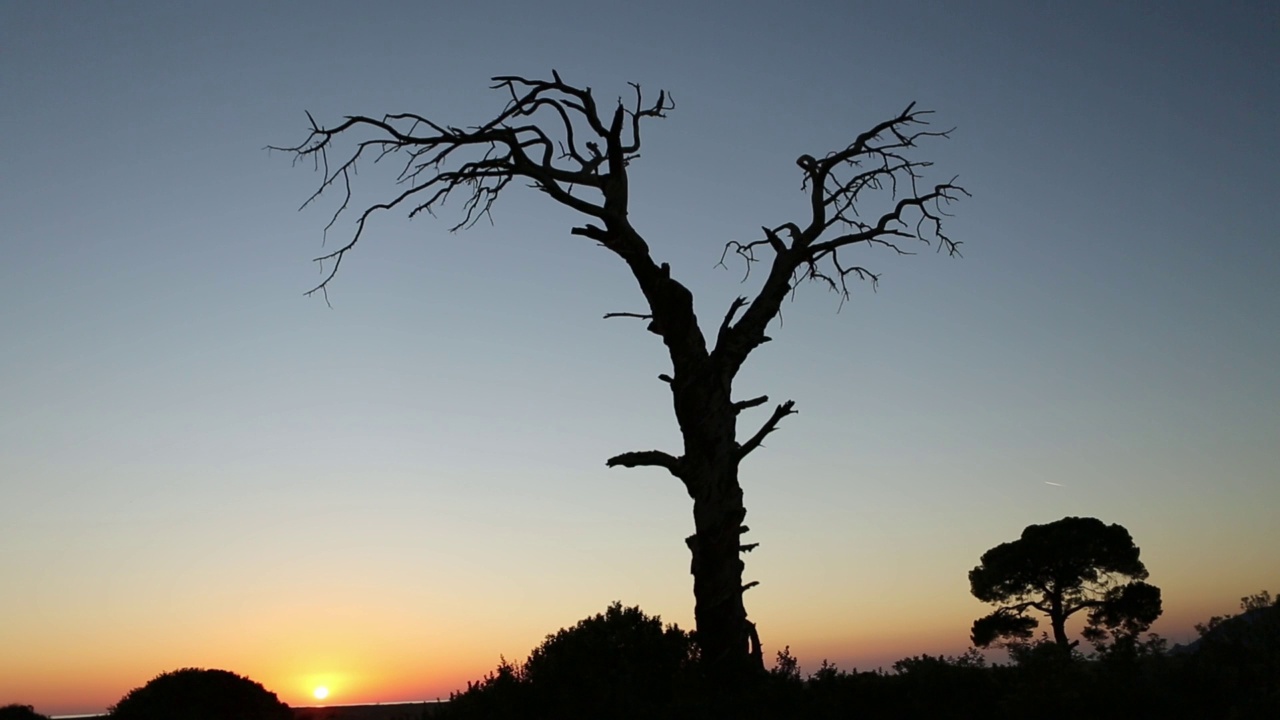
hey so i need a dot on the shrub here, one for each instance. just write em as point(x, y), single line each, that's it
point(20, 712)
point(197, 694)
point(618, 664)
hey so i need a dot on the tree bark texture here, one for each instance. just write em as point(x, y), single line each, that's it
point(709, 425)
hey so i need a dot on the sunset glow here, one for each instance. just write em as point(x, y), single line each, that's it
point(375, 501)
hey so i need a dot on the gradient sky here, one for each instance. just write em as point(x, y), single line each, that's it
point(201, 467)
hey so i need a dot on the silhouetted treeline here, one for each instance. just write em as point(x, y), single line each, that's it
point(624, 664)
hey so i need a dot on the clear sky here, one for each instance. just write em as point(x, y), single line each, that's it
point(201, 467)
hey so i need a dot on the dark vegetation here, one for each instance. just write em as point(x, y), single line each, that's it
point(1059, 569)
point(624, 664)
point(627, 665)
point(20, 712)
point(198, 694)
point(871, 193)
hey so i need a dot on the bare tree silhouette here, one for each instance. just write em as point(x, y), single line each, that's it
point(556, 136)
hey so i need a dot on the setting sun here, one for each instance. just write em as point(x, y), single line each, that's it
point(321, 693)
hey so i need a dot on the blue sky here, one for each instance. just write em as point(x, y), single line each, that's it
point(187, 441)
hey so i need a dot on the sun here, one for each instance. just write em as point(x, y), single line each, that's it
point(321, 692)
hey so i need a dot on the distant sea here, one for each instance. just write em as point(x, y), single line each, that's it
point(380, 711)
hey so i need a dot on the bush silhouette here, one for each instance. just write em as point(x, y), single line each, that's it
point(622, 652)
point(618, 664)
point(20, 712)
point(198, 694)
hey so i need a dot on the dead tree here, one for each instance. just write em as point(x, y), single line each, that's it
point(555, 136)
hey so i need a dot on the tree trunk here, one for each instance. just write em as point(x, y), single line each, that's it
point(1058, 619)
point(723, 633)
point(1060, 632)
point(728, 641)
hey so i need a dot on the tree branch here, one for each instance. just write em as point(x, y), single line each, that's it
point(438, 159)
point(748, 404)
point(769, 426)
point(737, 304)
point(1071, 609)
point(549, 133)
point(876, 167)
point(655, 458)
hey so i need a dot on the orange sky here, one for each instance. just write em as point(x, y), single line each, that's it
point(199, 466)
point(386, 651)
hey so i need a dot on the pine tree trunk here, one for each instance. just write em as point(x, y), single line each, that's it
point(1060, 632)
point(1058, 619)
